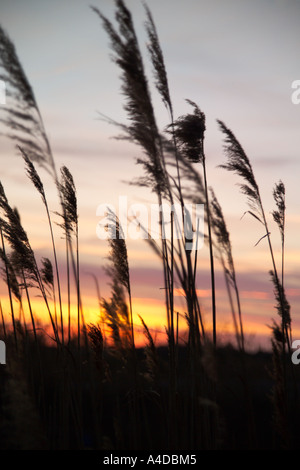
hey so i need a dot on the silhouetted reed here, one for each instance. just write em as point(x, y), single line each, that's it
point(20, 245)
point(23, 116)
point(36, 180)
point(119, 269)
point(8, 282)
point(189, 134)
point(239, 163)
point(68, 199)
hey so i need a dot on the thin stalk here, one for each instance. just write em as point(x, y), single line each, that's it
point(3, 321)
point(131, 319)
point(227, 283)
point(78, 286)
point(283, 263)
point(68, 291)
point(75, 266)
point(212, 270)
point(100, 307)
point(172, 280)
point(9, 289)
point(237, 295)
point(44, 295)
point(29, 307)
point(57, 271)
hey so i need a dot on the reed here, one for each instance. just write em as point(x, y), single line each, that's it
point(4, 257)
point(20, 245)
point(37, 182)
point(239, 163)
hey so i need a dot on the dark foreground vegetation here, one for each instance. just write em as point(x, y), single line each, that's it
point(61, 390)
point(53, 406)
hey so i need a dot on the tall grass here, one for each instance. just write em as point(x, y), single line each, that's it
point(98, 390)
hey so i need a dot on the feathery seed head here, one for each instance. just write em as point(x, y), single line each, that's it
point(47, 272)
point(283, 306)
point(239, 163)
point(33, 175)
point(118, 250)
point(10, 272)
point(69, 201)
point(142, 128)
point(158, 61)
point(22, 115)
point(279, 214)
point(189, 132)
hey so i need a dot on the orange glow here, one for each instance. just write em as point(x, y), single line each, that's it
point(153, 312)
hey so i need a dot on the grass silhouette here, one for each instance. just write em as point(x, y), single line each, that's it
point(94, 392)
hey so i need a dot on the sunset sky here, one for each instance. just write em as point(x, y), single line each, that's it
point(237, 60)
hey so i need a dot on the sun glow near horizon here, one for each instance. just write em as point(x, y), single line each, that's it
point(258, 311)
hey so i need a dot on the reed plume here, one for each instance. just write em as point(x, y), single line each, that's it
point(189, 132)
point(239, 163)
point(116, 317)
point(97, 341)
point(279, 214)
point(282, 305)
point(68, 199)
point(33, 175)
point(142, 128)
point(16, 235)
point(162, 86)
point(22, 115)
point(118, 256)
point(20, 245)
point(279, 218)
point(47, 272)
point(10, 276)
point(157, 58)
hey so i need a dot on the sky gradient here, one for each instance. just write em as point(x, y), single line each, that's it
point(237, 61)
